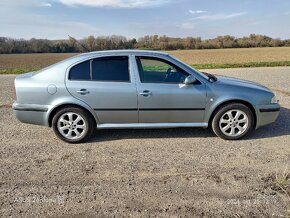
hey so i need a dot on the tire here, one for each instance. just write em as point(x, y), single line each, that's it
point(233, 121)
point(73, 125)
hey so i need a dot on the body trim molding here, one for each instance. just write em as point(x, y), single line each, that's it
point(149, 109)
point(149, 125)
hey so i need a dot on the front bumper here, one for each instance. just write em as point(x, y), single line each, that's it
point(31, 113)
point(266, 114)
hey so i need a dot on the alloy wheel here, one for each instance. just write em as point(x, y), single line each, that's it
point(233, 123)
point(71, 125)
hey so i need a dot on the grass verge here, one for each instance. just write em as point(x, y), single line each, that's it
point(17, 71)
point(197, 66)
point(242, 65)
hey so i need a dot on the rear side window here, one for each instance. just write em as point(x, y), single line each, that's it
point(111, 69)
point(80, 71)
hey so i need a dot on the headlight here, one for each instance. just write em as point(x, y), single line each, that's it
point(274, 100)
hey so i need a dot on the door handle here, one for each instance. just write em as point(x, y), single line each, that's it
point(83, 92)
point(146, 93)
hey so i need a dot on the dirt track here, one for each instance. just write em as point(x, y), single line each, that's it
point(167, 172)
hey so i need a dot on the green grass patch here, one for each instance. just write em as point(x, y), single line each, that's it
point(197, 66)
point(224, 66)
point(17, 71)
point(156, 68)
point(242, 65)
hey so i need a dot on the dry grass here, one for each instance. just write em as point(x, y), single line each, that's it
point(30, 61)
point(218, 58)
point(282, 182)
point(230, 56)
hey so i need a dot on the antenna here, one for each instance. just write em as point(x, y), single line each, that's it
point(85, 48)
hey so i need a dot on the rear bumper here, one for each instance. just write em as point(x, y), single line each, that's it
point(31, 113)
point(267, 114)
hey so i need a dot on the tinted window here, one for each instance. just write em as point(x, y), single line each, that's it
point(111, 69)
point(154, 70)
point(80, 71)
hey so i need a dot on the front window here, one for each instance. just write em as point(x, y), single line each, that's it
point(190, 67)
point(156, 70)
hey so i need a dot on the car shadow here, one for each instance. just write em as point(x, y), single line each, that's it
point(118, 134)
point(279, 128)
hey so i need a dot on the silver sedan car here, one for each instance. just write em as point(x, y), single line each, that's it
point(139, 89)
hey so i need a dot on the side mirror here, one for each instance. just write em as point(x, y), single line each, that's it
point(189, 80)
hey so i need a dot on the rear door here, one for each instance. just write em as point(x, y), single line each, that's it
point(162, 95)
point(107, 84)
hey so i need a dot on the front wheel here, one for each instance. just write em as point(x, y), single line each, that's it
point(233, 121)
point(72, 125)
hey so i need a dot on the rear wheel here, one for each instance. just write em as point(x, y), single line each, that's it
point(73, 125)
point(233, 121)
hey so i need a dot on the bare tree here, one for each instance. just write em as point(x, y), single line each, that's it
point(92, 43)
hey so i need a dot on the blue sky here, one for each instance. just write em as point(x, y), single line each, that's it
point(56, 19)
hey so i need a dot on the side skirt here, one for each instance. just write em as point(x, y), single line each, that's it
point(149, 125)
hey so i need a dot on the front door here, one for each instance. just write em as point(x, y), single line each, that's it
point(107, 85)
point(162, 95)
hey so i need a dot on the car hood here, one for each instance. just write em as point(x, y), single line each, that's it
point(240, 82)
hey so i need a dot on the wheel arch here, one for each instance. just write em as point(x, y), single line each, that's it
point(58, 107)
point(244, 102)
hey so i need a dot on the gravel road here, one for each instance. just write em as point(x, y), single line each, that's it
point(141, 173)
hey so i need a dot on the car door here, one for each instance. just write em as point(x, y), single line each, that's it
point(107, 85)
point(162, 95)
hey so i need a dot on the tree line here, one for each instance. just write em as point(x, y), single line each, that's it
point(153, 42)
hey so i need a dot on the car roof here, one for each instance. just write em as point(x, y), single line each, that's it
point(123, 52)
point(81, 57)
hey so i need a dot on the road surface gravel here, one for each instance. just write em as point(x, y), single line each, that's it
point(182, 172)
